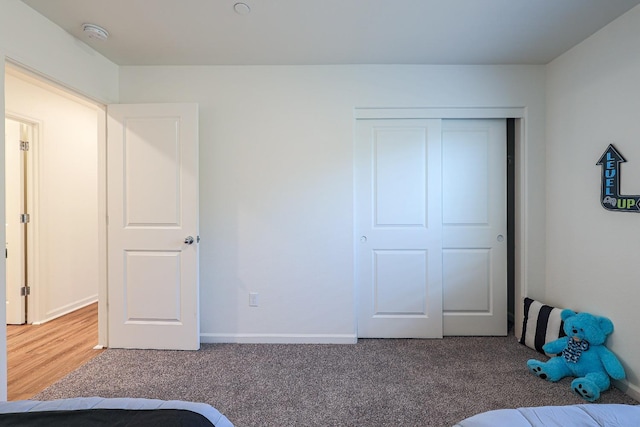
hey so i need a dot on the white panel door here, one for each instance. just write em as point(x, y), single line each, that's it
point(399, 228)
point(152, 154)
point(15, 230)
point(474, 232)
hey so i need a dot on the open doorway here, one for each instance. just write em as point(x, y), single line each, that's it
point(63, 215)
point(60, 259)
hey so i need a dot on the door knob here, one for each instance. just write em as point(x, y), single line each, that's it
point(188, 240)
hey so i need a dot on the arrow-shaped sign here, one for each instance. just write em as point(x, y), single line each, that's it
point(610, 196)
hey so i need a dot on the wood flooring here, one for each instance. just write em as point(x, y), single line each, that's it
point(39, 355)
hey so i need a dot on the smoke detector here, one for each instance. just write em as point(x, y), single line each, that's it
point(95, 32)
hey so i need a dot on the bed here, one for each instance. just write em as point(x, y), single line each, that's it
point(586, 415)
point(98, 411)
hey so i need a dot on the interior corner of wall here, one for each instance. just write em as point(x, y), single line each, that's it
point(631, 390)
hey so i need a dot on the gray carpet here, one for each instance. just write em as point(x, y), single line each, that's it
point(372, 383)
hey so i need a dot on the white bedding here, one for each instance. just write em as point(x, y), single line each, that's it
point(207, 411)
point(586, 415)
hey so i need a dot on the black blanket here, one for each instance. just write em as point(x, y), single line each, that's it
point(106, 418)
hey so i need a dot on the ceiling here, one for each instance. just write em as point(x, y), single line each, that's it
point(301, 32)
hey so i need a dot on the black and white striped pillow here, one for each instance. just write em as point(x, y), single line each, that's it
point(542, 324)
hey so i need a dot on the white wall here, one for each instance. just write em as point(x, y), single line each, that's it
point(32, 40)
point(276, 181)
point(65, 213)
point(593, 99)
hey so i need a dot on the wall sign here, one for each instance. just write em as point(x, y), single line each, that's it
point(610, 196)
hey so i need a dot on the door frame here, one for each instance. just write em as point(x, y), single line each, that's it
point(103, 223)
point(520, 116)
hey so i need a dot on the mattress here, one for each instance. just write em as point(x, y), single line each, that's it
point(586, 415)
point(111, 408)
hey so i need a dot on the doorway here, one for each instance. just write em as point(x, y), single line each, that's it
point(66, 201)
point(63, 263)
point(72, 179)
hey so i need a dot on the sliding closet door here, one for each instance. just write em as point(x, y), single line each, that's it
point(474, 218)
point(399, 228)
point(431, 235)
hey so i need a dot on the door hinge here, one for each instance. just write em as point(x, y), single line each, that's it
point(25, 290)
point(25, 218)
point(24, 145)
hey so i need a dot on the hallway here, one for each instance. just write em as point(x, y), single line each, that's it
point(39, 355)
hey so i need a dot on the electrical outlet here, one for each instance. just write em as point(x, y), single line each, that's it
point(253, 299)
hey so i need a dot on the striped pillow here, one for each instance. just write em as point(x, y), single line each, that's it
point(542, 324)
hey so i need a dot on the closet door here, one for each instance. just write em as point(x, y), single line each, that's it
point(474, 232)
point(398, 228)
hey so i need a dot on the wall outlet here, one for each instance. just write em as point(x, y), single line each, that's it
point(253, 299)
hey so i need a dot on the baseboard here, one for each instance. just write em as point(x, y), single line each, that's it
point(630, 390)
point(54, 314)
point(207, 338)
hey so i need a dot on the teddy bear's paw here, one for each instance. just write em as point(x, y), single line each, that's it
point(536, 368)
point(585, 389)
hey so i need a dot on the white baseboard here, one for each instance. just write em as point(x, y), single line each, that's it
point(54, 314)
point(630, 390)
point(207, 338)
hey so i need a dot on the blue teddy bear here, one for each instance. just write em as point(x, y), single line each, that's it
point(581, 354)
